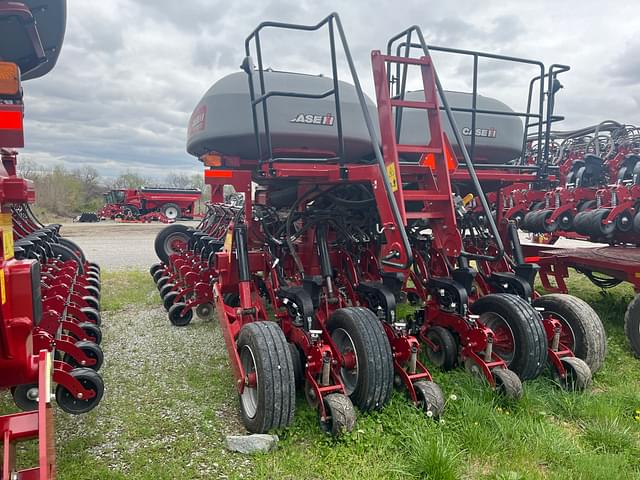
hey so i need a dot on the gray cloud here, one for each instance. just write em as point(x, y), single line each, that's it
point(131, 71)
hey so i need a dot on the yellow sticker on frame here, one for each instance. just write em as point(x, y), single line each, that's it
point(393, 180)
point(6, 224)
point(3, 291)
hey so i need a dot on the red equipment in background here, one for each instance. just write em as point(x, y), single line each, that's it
point(148, 204)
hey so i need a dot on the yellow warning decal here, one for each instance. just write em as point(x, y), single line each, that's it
point(228, 243)
point(393, 180)
point(6, 225)
point(3, 292)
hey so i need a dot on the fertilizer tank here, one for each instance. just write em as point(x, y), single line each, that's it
point(222, 121)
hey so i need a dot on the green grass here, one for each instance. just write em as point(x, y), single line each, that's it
point(145, 431)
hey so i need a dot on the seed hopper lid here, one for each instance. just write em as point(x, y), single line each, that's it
point(31, 34)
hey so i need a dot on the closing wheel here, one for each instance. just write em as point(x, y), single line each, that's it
point(268, 398)
point(154, 268)
point(341, 416)
point(166, 288)
point(91, 302)
point(171, 239)
point(93, 291)
point(92, 315)
point(91, 350)
point(542, 223)
point(565, 221)
point(177, 318)
point(507, 383)
point(162, 281)
point(632, 325)
point(158, 275)
point(205, 311)
point(582, 329)
point(624, 222)
point(430, 398)
point(169, 299)
point(26, 396)
point(578, 374)
point(597, 228)
point(367, 370)
point(445, 354)
point(92, 330)
point(519, 336)
point(89, 380)
point(170, 210)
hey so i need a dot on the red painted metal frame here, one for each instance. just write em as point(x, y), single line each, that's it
point(35, 425)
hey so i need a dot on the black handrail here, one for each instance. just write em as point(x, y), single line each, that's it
point(456, 132)
point(333, 21)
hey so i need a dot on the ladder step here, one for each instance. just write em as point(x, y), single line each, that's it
point(401, 148)
point(406, 60)
point(424, 196)
point(424, 215)
point(422, 105)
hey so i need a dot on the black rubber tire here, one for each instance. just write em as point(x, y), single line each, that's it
point(168, 300)
point(632, 325)
point(154, 268)
point(93, 291)
point(231, 299)
point(298, 365)
point(341, 416)
point(176, 318)
point(74, 247)
point(167, 207)
point(162, 281)
point(375, 361)
point(158, 275)
point(91, 350)
point(90, 380)
point(161, 244)
point(92, 315)
point(131, 210)
point(92, 330)
point(21, 397)
point(92, 302)
point(65, 254)
point(205, 311)
point(508, 383)
point(430, 398)
point(275, 390)
point(597, 228)
point(590, 338)
point(166, 288)
point(578, 375)
point(530, 340)
point(447, 357)
point(542, 222)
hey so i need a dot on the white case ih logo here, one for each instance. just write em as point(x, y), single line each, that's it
point(312, 119)
point(481, 132)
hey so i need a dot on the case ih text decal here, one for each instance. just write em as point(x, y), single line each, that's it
point(481, 132)
point(313, 119)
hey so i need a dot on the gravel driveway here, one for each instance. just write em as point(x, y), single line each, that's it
point(117, 245)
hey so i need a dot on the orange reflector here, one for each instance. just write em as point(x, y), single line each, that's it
point(9, 79)
point(218, 173)
point(10, 120)
point(211, 160)
point(452, 161)
point(428, 160)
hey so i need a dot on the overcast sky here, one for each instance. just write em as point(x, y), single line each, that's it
point(131, 71)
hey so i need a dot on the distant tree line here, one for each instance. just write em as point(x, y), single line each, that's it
point(65, 192)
